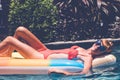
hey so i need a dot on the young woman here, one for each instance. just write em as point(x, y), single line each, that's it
point(31, 47)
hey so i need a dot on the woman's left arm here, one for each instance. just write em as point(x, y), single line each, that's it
point(87, 64)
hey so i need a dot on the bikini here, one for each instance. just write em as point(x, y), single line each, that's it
point(72, 53)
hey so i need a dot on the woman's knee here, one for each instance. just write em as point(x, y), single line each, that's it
point(8, 39)
point(20, 30)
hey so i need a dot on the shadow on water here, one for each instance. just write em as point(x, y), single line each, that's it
point(116, 52)
point(56, 76)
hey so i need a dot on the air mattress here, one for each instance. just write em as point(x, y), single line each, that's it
point(18, 65)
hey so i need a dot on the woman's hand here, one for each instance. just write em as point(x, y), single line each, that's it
point(57, 71)
point(63, 72)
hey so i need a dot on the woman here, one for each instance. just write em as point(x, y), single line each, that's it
point(31, 47)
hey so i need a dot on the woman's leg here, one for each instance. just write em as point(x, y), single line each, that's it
point(25, 50)
point(31, 39)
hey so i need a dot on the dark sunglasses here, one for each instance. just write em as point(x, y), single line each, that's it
point(101, 47)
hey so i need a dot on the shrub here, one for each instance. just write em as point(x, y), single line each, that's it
point(37, 15)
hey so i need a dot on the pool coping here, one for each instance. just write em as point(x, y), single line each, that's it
point(82, 43)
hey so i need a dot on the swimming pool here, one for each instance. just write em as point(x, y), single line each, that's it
point(112, 73)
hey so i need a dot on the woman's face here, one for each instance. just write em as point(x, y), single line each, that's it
point(96, 49)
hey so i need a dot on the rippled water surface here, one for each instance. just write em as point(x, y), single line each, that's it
point(113, 73)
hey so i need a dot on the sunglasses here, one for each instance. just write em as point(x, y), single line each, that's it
point(101, 47)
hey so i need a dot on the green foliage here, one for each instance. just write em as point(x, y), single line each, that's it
point(77, 19)
point(34, 14)
point(86, 19)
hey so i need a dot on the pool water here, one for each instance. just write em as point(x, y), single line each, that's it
point(112, 73)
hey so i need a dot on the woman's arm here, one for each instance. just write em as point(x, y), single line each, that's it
point(87, 64)
point(59, 71)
